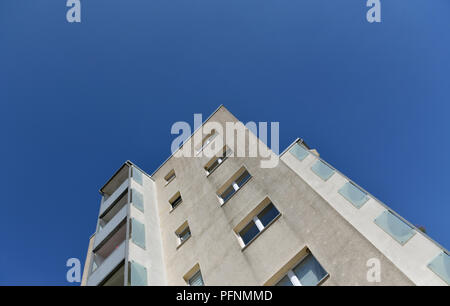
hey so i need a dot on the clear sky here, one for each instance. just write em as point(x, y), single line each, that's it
point(77, 100)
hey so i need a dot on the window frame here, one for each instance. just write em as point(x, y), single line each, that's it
point(225, 153)
point(206, 141)
point(174, 199)
point(253, 217)
point(232, 183)
point(293, 278)
point(182, 229)
point(170, 176)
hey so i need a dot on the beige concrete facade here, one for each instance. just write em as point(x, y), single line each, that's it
point(313, 216)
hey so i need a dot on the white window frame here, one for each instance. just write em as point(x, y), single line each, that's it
point(207, 140)
point(182, 229)
point(235, 187)
point(225, 152)
point(294, 279)
point(258, 224)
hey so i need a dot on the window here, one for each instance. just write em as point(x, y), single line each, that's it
point(229, 189)
point(196, 279)
point(170, 176)
point(258, 223)
point(216, 161)
point(176, 200)
point(206, 141)
point(308, 272)
point(194, 276)
point(183, 233)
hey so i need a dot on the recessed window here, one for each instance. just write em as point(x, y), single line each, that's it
point(194, 276)
point(175, 200)
point(183, 233)
point(258, 222)
point(196, 279)
point(206, 141)
point(170, 176)
point(308, 272)
point(216, 161)
point(234, 184)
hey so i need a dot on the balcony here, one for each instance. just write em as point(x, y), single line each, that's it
point(117, 217)
point(114, 198)
point(108, 256)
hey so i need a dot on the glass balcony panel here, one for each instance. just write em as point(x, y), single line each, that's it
point(137, 176)
point(137, 199)
point(138, 233)
point(299, 152)
point(395, 227)
point(322, 170)
point(138, 274)
point(353, 194)
point(441, 266)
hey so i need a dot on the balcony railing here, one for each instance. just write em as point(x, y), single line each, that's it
point(108, 265)
point(111, 200)
point(106, 231)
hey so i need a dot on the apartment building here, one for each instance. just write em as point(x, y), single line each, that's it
point(225, 220)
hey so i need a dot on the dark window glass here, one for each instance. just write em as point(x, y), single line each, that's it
point(185, 234)
point(227, 193)
point(285, 281)
point(243, 178)
point(268, 214)
point(249, 232)
point(176, 202)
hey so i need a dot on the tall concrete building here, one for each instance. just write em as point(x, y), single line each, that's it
point(223, 219)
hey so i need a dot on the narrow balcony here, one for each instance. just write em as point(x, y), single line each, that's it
point(114, 218)
point(114, 188)
point(108, 256)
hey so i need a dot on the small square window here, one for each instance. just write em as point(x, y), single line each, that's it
point(170, 176)
point(183, 233)
point(176, 200)
point(196, 279)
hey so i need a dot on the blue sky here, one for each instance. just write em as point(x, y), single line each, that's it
point(77, 100)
